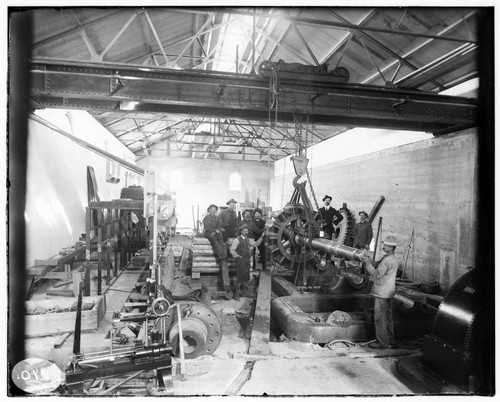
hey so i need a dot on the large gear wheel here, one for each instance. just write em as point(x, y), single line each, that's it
point(284, 250)
point(343, 233)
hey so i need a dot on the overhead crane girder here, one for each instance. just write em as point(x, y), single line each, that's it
point(228, 95)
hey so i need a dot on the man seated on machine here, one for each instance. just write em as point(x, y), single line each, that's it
point(213, 232)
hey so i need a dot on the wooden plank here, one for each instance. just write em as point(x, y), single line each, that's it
point(118, 204)
point(53, 262)
point(259, 341)
point(124, 283)
point(60, 259)
point(38, 270)
point(61, 339)
point(210, 270)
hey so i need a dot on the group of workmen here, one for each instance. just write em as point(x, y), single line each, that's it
point(331, 218)
point(383, 272)
point(248, 235)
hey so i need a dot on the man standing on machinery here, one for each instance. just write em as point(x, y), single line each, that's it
point(229, 220)
point(383, 273)
point(330, 217)
point(363, 232)
point(213, 232)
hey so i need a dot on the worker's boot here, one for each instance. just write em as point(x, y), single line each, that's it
point(236, 293)
point(229, 292)
point(246, 291)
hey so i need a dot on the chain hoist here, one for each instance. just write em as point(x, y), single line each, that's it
point(306, 144)
point(297, 121)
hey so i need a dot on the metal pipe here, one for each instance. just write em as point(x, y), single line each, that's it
point(131, 353)
point(407, 302)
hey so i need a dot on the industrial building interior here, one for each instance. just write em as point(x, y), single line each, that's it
point(145, 143)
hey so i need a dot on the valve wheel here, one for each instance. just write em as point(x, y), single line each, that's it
point(160, 306)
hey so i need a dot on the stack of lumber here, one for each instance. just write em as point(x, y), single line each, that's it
point(204, 259)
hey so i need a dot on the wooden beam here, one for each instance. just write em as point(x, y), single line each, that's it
point(259, 341)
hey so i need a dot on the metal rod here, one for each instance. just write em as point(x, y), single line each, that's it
point(78, 323)
point(376, 237)
point(130, 377)
point(181, 344)
point(407, 252)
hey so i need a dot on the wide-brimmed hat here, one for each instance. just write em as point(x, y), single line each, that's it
point(327, 196)
point(232, 200)
point(391, 241)
point(363, 212)
point(212, 205)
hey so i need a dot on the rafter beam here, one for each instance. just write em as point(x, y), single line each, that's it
point(326, 23)
point(422, 45)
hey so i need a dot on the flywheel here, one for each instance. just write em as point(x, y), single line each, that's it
point(284, 250)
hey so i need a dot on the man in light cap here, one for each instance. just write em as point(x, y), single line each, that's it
point(240, 250)
point(229, 220)
point(383, 273)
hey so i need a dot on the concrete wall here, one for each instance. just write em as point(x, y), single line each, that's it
point(57, 181)
point(204, 182)
point(429, 186)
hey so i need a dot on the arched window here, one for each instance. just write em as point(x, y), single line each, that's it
point(176, 180)
point(235, 182)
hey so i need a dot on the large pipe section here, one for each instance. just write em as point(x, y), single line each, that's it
point(325, 246)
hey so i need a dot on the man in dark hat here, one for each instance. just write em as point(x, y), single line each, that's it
point(240, 250)
point(247, 220)
point(330, 217)
point(229, 220)
point(213, 232)
point(363, 232)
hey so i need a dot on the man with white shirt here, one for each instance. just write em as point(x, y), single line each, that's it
point(240, 250)
point(330, 216)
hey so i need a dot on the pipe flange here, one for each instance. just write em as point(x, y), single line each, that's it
point(205, 314)
point(194, 333)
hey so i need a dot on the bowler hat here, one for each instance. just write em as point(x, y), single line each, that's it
point(390, 241)
point(212, 205)
point(244, 226)
point(363, 212)
point(327, 196)
point(232, 200)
